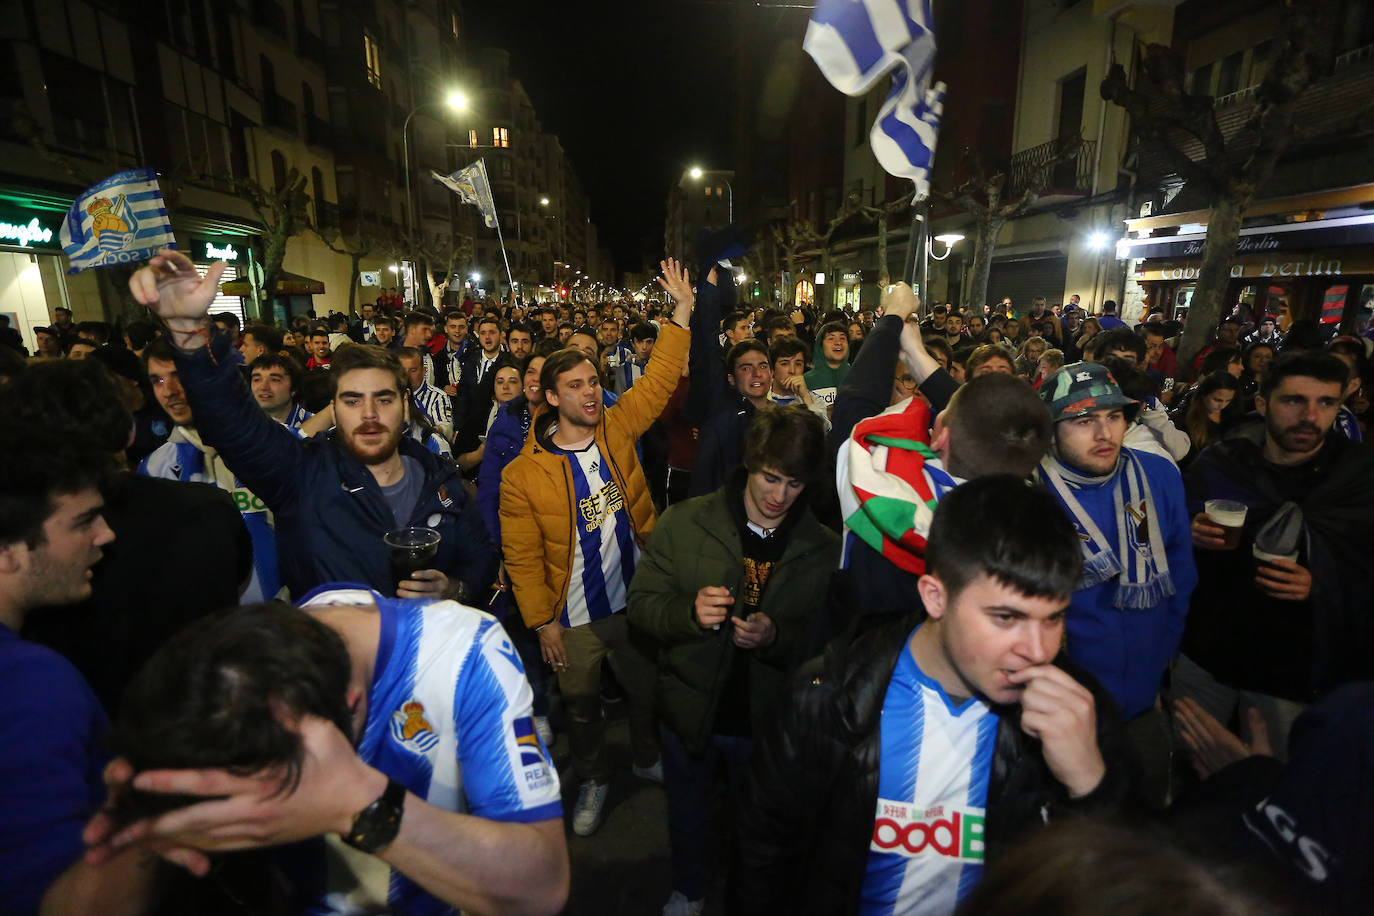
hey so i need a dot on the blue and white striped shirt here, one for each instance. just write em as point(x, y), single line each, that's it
point(449, 717)
point(927, 848)
point(605, 554)
point(437, 407)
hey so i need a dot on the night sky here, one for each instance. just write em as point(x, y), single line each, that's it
point(636, 90)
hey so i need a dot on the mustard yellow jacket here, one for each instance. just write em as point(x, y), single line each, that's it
point(537, 523)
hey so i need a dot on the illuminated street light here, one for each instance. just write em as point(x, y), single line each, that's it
point(695, 173)
point(1097, 241)
point(543, 201)
point(476, 277)
point(457, 100)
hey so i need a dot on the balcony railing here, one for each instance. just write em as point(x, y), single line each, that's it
point(1355, 56)
point(1073, 175)
point(279, 112)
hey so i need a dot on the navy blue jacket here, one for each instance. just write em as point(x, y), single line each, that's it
point(330, 514)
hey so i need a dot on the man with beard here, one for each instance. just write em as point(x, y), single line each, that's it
point(575, 509)
point(334, 497)
point(1283, 617)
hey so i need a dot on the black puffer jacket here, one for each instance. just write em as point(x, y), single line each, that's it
point(807, 822)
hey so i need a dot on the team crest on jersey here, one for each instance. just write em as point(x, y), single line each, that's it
point(411, 729)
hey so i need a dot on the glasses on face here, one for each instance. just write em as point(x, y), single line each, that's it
point(905, 382)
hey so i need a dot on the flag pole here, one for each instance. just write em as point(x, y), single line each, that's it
point(499, 238)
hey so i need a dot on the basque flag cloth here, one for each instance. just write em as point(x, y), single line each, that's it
point(857, 42)
point(890, 482)
point(121, 220)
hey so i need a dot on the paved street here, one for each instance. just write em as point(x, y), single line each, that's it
point(623, 867)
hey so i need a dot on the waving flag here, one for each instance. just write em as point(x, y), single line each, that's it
point(472, 186)
point(857, 42)
point(118, 221)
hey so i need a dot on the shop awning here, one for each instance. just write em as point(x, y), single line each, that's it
point(288, 284)
point(1332, 262)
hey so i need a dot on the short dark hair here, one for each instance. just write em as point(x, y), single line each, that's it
point(383, 319)
point(986, 352)
point(736, 317)
point(1134, 382)
point(274, 360)
point(518, 326)
point(643, 331)
point(415, 319)
point(785, 346)
point(365, 356)
point(546, 347)
point(140, 332)
point(265, 334)
point(1109, 307)
point(789, 440)
point(160, 348)
point(1118, 339)
point(228, 318)
point(1321, 366)
point(318, 330)
point(561, 361)
point(38, 464)
point(214, 696)
point(1013, 532)
point(489, 319)
point(777, 323)
point(100, 330)
point(748, 345)
point(997, 425)
point(832, 327)
point(72, 398)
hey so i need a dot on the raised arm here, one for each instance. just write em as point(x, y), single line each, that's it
point(639, 407)
point(261, 452)
point(704, 366)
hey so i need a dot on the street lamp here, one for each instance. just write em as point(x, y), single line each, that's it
point(543, 201)
point(696, 174)
point(948, 239)
point(456, 101)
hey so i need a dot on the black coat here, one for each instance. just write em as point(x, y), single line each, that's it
point(807, 822)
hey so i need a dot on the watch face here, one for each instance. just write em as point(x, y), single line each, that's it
point(380, 821)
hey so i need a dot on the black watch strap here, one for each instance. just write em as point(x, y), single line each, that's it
point(377, 825)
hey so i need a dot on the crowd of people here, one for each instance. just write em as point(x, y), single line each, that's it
point(915, 611)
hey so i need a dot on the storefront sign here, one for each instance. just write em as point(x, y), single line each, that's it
point(29, 229)
point(234, 251)
point(1308, 264)
point(853, 276)
point(1258, 243)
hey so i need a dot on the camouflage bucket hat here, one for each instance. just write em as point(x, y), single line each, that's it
point(1079, 388)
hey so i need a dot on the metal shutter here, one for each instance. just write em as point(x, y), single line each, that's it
point(1025, 278)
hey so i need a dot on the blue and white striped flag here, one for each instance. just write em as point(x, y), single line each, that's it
point(472, 186)
point(119, 221)
point(857, 42)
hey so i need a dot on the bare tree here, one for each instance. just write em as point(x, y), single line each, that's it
point(880, 214)
point(1182, 127)
point(355, 246)
point(982, 197)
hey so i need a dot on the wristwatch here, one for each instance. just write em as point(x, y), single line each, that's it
point(377, 824)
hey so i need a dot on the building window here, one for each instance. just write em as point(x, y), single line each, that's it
point(278, 170)
point(373, 54)
point(500, 138)
point(507, 170)
point(718, 192)
point(706, 192)
point(453, 23)
point(472, 138)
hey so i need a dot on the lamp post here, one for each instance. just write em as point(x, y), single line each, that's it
point(948, 239)
point(696, 174)
point(456, 101)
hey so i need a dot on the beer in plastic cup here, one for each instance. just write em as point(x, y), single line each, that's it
point(1230, 516)
point(410, 549)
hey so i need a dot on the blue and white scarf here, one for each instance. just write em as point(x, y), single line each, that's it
point(1137, 559)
